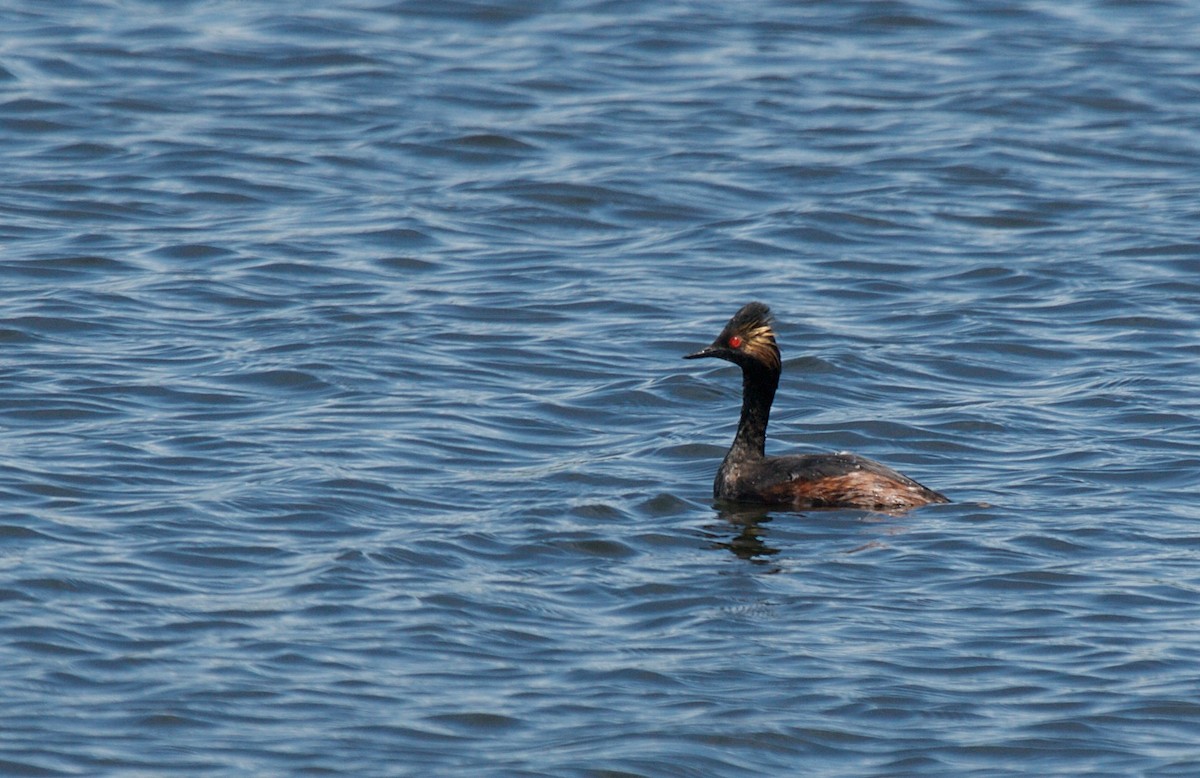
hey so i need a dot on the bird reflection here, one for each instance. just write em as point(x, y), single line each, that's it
point(748, 543)
point(750, 532)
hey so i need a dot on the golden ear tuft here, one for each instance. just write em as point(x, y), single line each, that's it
point(752, 326)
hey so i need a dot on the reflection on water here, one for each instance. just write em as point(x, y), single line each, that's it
point(743, 529)
point(747, 542)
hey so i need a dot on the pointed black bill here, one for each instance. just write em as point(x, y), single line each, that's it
point(702, 353)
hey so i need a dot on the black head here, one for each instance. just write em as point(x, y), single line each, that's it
point(747, 340)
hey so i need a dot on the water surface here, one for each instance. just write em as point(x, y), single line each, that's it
point(345, 430)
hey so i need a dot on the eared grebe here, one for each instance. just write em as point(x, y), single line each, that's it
point(802, 480)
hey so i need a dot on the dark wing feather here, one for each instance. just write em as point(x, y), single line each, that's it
point(839, 480)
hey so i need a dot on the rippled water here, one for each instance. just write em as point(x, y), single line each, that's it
point(345, 430)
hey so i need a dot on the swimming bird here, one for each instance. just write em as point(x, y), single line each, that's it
point(747, 474)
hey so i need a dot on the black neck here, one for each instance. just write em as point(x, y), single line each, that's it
point(758, 392)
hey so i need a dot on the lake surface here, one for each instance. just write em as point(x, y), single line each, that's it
point(345, 431)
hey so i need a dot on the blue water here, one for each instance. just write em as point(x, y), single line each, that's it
point(344, 430)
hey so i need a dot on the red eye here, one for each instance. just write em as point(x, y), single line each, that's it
point(735, 341)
